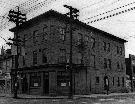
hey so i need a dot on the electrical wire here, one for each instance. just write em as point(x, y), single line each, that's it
point(112, 15)
point(92, 4)
point(28, 10)
point(110, 11)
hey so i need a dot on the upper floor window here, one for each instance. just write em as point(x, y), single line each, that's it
point(44, 56)
point(107, 63)
point(62, 57)
point(80, 58)
point(118, 81)
point(86, 39)
point(93, 43)
point(23, 60)
point(134, 69)
point(97, 80)
point(113, 81)
point(62, 33)
point(34, 57)
point(118, 65)
point(106, 46)
point(92, 60)
point(35, 35)
point(122, 68)
point(123, 81)
point(119, 50)
point(79, 39)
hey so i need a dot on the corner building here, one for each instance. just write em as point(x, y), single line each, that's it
point(43, 66)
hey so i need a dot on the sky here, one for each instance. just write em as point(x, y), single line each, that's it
point(122, 25)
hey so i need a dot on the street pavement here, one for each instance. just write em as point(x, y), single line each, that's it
point(113, 98)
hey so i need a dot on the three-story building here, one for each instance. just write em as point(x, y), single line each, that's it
point(98, 57)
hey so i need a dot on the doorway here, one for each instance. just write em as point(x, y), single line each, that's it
point(46, 83)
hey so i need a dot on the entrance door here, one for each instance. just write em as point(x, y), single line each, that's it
point(46, 83)
point(106, 83)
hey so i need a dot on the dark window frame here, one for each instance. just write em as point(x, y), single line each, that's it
point(35, 78)
point(35, 36)
point(34, 57)
point(97, 80)
point(44, 55)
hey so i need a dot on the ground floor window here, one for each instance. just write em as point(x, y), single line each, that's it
point(62, 79)
point(35, 80)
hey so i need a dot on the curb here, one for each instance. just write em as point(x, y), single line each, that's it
point(105, 96)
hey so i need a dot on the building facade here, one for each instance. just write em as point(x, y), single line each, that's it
point(130, 70)
point(97, 56)
point(5, 70)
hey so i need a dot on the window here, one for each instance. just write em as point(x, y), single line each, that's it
point(113, 81)
point(120, 50)
point(86, 39)
point(117, 50)
point(34, 57)
point(109, 63)
point(123, 81)
point(79, 39)
point(44, 56)
point(134, 69)
point(92, 60)
point(80, 59)
point(118, 81)
point(97, 80)
point(23, 60)
point(35, 80)
point(118, 65)
point(35, 34)
point(105, 63)
point(62, 79)
point(62, 33)
point(44, 35)
point(104, 45)
point(122, 67)
point(92, 43)
point(108, 47)
point(62, 57)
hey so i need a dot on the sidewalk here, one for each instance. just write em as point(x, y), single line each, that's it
point(105, 95)
point(25, 96)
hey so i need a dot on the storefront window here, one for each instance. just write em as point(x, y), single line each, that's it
point(62, 79)
point(35, 80)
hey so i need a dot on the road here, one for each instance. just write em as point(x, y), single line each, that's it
point(116, 100)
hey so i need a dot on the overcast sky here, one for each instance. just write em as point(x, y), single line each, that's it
point(122, 25)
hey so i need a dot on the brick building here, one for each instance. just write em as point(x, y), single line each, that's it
point(130, 70)
point(97, 56)
point(5, 69)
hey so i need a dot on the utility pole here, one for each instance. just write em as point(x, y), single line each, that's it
point(73, 15)
point(18, 18)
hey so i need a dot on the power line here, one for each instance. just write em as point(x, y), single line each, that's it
point(110, 11)
point(28, 10)
point(112, 15)
point(93, 4)
point(101, 6)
